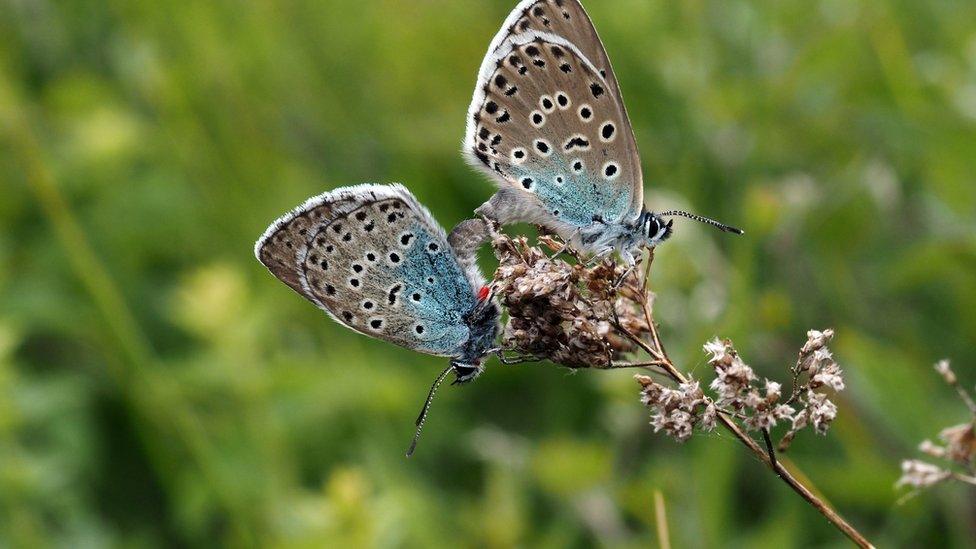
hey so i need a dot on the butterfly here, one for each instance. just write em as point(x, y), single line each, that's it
point(375, 260)
point(549, 126)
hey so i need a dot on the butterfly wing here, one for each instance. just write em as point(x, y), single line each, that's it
point(545, 120)
point(279, 246)
point(566, 19)
point(383, 267)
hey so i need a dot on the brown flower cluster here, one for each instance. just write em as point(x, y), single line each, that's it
point(739, 394)
point(759, 407)
point(568, 313)
point(957, 448)
point(678, 411)
point(815, 371)
point(591, 314)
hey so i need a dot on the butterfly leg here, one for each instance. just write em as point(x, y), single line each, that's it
point(466, 238)
point(511, 361)
point(469, 235)
point(600, 255)
point(508, 206)
point(632, 264)
point(623, 278)
point(566, 244)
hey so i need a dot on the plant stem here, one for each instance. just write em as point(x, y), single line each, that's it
point(661, 519)
point(963, 478)
point(831, 515)
point(626, 365)
point(664, 361)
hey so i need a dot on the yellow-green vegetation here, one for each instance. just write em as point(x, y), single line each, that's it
point(159, 388)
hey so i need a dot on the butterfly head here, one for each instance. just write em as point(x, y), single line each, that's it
point(483, 323)
point(654, 229)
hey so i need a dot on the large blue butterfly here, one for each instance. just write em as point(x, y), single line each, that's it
point(374, 259)
point(548, 123)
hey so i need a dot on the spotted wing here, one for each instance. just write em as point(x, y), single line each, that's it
point(279, 246)
point(544, 121)
point(383, 267)
point(566, 19)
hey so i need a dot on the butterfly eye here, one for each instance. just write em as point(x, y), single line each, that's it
point(653, 227)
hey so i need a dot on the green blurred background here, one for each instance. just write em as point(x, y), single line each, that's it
point(159, 388)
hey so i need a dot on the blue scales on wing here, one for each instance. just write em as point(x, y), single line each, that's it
point(383, 267)
point(545, 121)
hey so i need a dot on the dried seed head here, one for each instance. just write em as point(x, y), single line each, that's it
point(829, 375)
point(719, 351)
point(932, 449)
point(734, 379)
point(822, 412)
point(563, 312)
point(958, 446)
point(960, 443)
point(677, 411)
point(945, 370)
point(816, 340)
point(919, 474)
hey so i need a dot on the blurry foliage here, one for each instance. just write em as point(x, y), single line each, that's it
point(158, 388)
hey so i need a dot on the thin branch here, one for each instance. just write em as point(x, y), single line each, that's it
point(797, 372)
point(964, 395)
point(730, 425)
point(964, 478)
point(769, 447)
point(650, 342)
point(629, 365)
point(661, 520)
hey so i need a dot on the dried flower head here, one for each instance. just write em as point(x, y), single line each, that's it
point(820, 411)
point(740, 395)
point(677, 411)
point(734, 377)
point(919, 474)
point(566, 313)
point(735, 384)
point(945, 370)
point(958, 449)
point(932, 449)
point(816, 340)
point(814, 372)
point(960, 443)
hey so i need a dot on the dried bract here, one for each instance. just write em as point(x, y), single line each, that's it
point(945, 370)
point(758, 407)
point(566, 313)
point(677, 411)
point(740, 395)
point(919, 474)
point(958, 447)
point(960, 443)
point(814, 372)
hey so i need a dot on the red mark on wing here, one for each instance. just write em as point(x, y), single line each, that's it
point(483, 293)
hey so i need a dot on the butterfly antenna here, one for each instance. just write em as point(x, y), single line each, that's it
point(422, 418)
point(720, 226)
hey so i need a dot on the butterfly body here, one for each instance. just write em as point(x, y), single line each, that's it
point(548, 124)
point(601, 238)
point(598, 237)
point(375, 261)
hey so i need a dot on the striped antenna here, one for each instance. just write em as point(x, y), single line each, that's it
point(720, 226)
point(422, 418)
